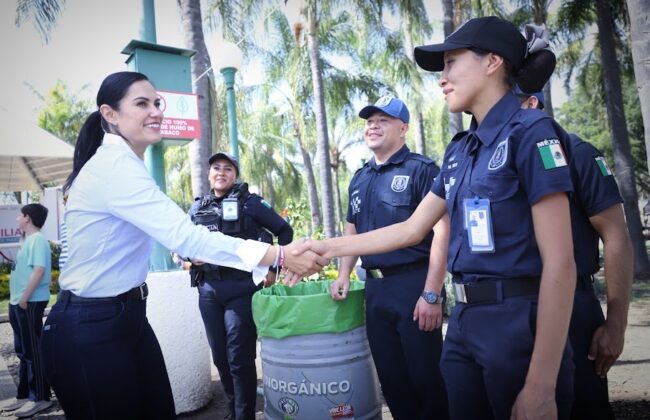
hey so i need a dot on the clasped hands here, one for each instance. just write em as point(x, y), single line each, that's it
point(302, 258)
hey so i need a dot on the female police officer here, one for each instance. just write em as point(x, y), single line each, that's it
point(504, 183)
point(225, 293)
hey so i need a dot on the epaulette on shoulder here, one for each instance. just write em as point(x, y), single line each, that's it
point(424, 159)
point(251, 195)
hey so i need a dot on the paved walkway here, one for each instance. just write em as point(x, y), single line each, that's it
point(629, 378)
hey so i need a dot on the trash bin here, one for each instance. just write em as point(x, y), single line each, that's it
point(316, 363)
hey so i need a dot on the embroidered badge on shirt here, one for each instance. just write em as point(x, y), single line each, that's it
point(499, 157)
point(355, 202)
point(551, 153)
point(603, 166)
point(399, 183)
point(448, 185)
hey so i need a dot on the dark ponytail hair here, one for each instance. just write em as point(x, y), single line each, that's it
point(111, 92)
point(536, 70)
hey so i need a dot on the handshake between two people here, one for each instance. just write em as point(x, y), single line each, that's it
point(299, 259)
point(302, 258)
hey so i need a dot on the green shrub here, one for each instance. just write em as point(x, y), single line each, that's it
point(54, 283)
point(5, 268)
point(4, 286)
point(56, 251)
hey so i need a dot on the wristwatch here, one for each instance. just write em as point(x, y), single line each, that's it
point(431, 297)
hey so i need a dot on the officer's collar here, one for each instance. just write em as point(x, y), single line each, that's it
point(397, 157)
point(240, 187)
point(214, 196)
point(495, 119)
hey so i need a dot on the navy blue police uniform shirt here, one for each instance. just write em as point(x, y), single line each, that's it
point(595, 191)
point(381, 195)
point(514, 159)
point(263, 214)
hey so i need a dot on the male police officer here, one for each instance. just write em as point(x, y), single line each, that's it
point(596, 213)
point(403, 314)
point(225, 293)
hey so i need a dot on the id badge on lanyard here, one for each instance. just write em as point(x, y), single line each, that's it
point(478, 222)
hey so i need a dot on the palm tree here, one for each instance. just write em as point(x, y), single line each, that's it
point(639, 14)
point(200, 149)
point(322, 149)
point(574, 17)
point(42, 14)
point(415, 29)
point(266, 148)
point(345, 134)
point(450, 23)
point(618, 126)
point(288, 75)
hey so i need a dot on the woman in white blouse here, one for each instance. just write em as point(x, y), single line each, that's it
point(100, 353)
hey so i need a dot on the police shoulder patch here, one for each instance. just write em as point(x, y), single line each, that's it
point(499, 157)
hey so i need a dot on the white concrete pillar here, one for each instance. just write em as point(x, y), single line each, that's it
point(173, 311)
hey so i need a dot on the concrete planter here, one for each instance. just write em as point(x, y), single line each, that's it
point(173, 311)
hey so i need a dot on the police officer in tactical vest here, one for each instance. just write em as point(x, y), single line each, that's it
point(225, 293)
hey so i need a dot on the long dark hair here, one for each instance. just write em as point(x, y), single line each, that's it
point(111, 92)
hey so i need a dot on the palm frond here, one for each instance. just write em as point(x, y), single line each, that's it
point(42, 13)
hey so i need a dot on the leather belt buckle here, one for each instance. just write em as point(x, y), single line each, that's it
point(144, 291)
point(376, 273)
point(461, 296)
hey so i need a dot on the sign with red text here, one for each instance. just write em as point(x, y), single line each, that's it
point(181, 119)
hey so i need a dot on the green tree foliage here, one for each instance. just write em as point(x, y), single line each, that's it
point(178, 179)
point(586, 115)
point(64, 112)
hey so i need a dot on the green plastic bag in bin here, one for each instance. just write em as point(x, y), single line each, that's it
point(307, 308)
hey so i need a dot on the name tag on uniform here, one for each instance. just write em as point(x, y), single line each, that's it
point(230, 209)
point(478, 220)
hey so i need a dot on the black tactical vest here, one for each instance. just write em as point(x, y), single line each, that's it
point(210, 214)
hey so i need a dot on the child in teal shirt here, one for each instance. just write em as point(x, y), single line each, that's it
point(29, 288)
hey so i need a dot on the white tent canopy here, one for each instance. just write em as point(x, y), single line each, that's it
point(30, 157)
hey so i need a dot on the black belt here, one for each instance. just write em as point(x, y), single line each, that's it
point(487, 291)
point(226, 273)
point(137, 293)
point(585, 283)
point(380, 273)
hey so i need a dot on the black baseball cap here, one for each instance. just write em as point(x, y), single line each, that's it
point(487, 33)
point(225, 156)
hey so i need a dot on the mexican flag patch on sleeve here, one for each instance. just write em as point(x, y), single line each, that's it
point(550, 150)
point(602, 165)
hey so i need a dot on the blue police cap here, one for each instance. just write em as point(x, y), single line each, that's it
point(388, 105)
